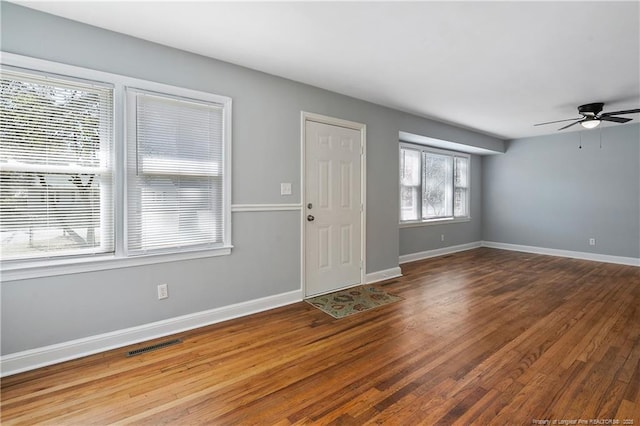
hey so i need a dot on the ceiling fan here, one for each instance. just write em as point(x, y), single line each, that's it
point(591, 116)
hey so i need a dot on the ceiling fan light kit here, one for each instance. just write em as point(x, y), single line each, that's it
point(590, 124)
point(591, 117)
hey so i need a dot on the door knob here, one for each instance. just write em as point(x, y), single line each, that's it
point(310, 218)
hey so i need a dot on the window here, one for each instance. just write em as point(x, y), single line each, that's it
point(461, 187)
point(175, 173)
point(56, 180)
point(410, 184)
point(434, 184)
point(99, 170)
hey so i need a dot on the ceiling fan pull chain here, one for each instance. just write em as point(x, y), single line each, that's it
point(580, 133)
point(600, 137)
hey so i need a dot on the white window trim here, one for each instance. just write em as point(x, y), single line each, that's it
point(438, 220)
point(431, 222)
point(26, 269)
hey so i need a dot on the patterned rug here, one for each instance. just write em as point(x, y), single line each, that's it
point(353, 300)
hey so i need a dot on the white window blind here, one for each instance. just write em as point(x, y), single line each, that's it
point(175, 179)
point(55, 166)
point(461, 187)
point(410, 184)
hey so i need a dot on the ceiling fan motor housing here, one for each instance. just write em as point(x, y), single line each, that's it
point(591, 110)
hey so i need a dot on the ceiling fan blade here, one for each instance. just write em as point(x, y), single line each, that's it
point(626, 111)
point(615, 119)
point(569, 125)
point(559, 121)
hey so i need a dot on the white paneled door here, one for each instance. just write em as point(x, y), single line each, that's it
point(333, 207)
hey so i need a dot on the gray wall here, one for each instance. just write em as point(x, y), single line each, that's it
point(266, 151)
point(415, 239)
point(546, 192)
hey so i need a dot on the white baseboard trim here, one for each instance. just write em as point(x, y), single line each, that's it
point(60, 352)
point(385, 274)
point(412, 257)
point(621, 260)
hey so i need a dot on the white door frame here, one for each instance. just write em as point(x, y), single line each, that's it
point(362, 128)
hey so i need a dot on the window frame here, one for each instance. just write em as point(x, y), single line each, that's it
point(12, 270)
point(419, 186)
point(103, 172)
point(196, 97)
point(439, 220)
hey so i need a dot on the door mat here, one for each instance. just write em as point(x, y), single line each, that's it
point(351, 301)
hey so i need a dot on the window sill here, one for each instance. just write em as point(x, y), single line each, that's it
point(444, 221)
point(51, 268)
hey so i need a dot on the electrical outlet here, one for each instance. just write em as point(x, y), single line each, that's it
point(592, 241)
point(441, 237)
point(163, 291)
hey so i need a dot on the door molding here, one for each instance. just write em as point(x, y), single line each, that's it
point(362, 128)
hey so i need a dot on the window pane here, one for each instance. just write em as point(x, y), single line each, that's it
point(175, 192)
point(178, 137)
point(55, 154)
point(461, 182)
point(410, 200)
point(409, 167)
point(460, 202)
point(437, 197)
point(409, 184)
point(177, 211)
point(461, 178)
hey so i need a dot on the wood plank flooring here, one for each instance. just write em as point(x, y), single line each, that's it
point(483, 337)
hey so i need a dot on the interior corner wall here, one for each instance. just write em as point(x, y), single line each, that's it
point(265, 260)
point(547, 192)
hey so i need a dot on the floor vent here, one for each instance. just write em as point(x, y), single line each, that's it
point(153, 347)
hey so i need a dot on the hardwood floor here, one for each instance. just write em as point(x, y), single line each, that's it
point(484, 336)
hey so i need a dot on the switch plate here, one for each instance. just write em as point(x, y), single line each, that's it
point(163, 291)
point(285, 188)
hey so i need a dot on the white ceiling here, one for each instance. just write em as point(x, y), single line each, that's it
point(495, 67)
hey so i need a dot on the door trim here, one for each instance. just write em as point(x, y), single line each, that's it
point(362, 128)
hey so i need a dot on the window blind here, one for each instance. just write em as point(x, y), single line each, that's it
point(410, 184)
point(461, 184)
point(175, 174)
point(55, 166)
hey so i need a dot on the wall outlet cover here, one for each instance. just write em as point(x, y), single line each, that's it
point(163, 291)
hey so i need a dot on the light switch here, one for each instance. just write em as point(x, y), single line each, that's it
point(285, 188)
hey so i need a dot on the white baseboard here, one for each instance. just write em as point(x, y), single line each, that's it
point(53, 354)
point(631, 261)
point(412, 257)
point(386, 274)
